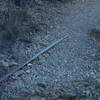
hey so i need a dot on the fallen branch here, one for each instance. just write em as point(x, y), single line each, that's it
point(31, 59)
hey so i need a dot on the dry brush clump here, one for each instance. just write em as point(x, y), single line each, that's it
point(12, 17)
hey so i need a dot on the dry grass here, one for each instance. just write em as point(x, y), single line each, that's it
point(11, 19)
point(95, 33)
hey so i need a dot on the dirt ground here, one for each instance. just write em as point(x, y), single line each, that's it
point(69, 71)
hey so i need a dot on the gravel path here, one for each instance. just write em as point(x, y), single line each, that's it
point(70, 70)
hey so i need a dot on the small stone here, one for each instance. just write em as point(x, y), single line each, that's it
point(42, 85)
point(4, 63)
point(29, 50)
point(87, 92)
point(31, 33)
point(65, 61)
point(27, 71)
point(17, 74)
point(39, 2)
point(42, 98)
point(29, 64)
point(1, 55)
point(37, 98)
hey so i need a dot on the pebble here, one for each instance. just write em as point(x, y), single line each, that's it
point(4, 63)
point(29, 64)
point(17, 74)
point(39, 2)
point(31, 33)
point(28, 71)
point(37, 98)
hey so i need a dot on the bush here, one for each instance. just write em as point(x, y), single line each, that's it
point(12, 17)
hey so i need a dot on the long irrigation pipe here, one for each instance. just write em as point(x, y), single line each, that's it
point(32, 58)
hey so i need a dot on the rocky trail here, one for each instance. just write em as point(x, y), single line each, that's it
point(70, 70)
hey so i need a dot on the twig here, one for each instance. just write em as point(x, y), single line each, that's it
point(31, 59)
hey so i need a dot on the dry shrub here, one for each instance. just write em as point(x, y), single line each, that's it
point(11, 19)
point(95, 33)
